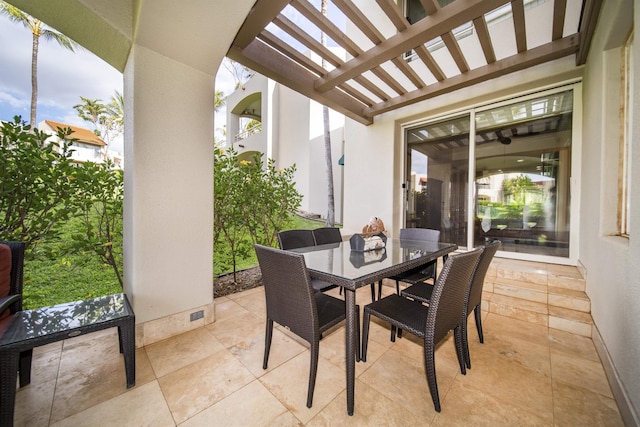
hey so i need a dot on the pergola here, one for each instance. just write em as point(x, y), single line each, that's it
point(392, 62)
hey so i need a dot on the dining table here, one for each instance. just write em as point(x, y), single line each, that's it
point(338, 264)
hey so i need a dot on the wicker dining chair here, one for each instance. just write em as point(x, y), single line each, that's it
point(432, 323)
point(326, 235)
point(423, 294)
point(294, 239)
point(12, 301)
point(422, 273)
point(292, 303)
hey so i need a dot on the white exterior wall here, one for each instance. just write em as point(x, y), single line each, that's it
point(610, 262)
point(293, 118)
point(168, 229)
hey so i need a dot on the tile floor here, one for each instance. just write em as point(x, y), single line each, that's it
point(524, 374)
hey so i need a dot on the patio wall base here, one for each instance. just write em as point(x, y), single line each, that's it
point(166, 327)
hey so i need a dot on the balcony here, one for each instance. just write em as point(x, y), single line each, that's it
point(531, 370)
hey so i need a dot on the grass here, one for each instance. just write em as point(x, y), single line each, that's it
point(66, 277)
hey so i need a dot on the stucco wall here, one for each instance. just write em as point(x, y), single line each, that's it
point(611, 265)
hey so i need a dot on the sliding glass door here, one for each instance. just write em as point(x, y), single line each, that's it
point(520, 180)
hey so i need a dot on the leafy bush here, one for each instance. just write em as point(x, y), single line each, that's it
point(252, 202)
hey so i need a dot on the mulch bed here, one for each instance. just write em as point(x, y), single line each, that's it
point(245, 280)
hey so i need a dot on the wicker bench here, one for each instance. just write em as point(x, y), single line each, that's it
point(27, 329)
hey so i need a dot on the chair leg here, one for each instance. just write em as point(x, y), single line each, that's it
point(373, 292)
point(465, 344)
point(478, 315)
point(358, 355)
point(393, 333)
point(312, 372)
point(457, 333)
point(267, 342)
point(365, 334)
point(398, 287)
point(430, 368)
point(380, 289)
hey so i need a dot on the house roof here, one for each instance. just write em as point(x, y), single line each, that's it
point(378, 75)
point(81, 134)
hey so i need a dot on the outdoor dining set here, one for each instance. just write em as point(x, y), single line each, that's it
point(297, 276)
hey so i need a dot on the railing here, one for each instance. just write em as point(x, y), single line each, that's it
point(247, 133)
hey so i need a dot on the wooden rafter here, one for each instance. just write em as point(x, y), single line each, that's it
point(367, 83)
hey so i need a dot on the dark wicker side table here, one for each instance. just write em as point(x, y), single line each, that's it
point(27, 329)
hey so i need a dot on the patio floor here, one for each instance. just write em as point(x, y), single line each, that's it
point(524, 374)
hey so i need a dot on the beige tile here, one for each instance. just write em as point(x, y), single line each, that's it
point(573, 321)
point(250, 350)
point(521, 292)
point(91, 371)
point(403, 380)
point(371, 408)
point(572, 344)
point(174, 353)
point(289, 383)
point(528, 311)
point(581, 373)
point(252, 405)
point(510, 377)
point(226, 308)
point(467, 404)
point(235, 330)
point(523, 271)
point(195, 387)
point(569, 298)
point(166, 327)
point(254, 302)
point(143, 406)
point(577, 406)
point(496, 325)
point(33, 404)
point(575, 283)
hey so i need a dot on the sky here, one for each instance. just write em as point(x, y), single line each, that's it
point(63, 77)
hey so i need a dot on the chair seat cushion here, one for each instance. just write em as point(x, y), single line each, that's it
point(5, 274)
point(416, 275)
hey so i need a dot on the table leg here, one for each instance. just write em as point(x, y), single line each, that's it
point(350, 301)
point(127, 337)
point(8, 373)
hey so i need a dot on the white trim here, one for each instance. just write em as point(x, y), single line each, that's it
point(628, 413)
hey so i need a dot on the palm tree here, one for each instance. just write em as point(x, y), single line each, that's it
point(331, 214)
point(38, 29)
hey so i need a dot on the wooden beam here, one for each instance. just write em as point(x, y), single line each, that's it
point(455, 51)
point(544, 53)
point(588, 21)
point(519, 24)
point(262, 13)
point(454, 15)
point(371, 31)
point(482, 30)
point(559, 11)
point(274, 65)
point(312, 14)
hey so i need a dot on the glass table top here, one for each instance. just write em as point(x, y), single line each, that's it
point(31, 324)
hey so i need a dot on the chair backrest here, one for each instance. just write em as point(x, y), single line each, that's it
point(289, 294)
point(450, 293)
point(326, 235)
point(293, 239)
point(475, 293)
point(426, 234)
point(17, 272)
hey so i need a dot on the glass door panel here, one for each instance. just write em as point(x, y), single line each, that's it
point(437, 178)
point(523, 164)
